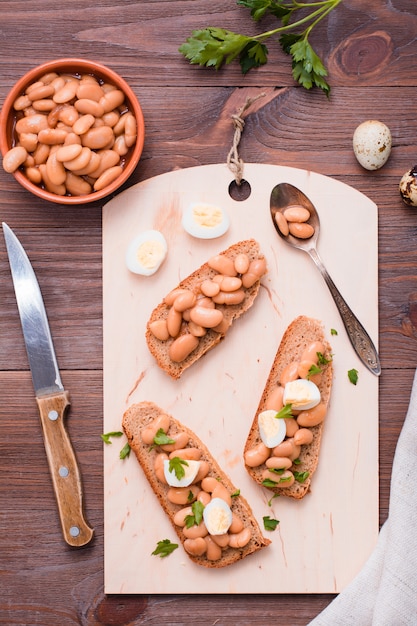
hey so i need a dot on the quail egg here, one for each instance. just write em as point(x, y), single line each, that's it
point(272, 430)
point(190, 472)
point(146, 253)
point(205, 221)
point(217, 516)
point(302, 394)
point(372, 143)
point(408, 187)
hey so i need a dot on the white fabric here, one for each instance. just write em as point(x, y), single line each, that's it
point(384, 593)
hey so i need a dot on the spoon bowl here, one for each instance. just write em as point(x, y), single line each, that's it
point(285, 196)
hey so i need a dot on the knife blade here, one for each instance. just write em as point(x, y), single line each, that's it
point(51, 397)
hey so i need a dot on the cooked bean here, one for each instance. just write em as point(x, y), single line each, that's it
point(297, 214)
point(120, 146)
point(34, 175)
point(221, 540)
point(193, 454)
point(291, 426)
point(80, 161)
point(148, 433)
point(182, 495)
point(208, 318)
point(67, 92)
point(282, 223)
point(287, 448)
point(278, 462)
point(41, 153)
point(209, 484)
point(257, 455)
point(40, 92)
point(89, 90)
point(169, 299)
point(184, 301)
point(181, 440)
point(229, 298)
point(312, 417)
point(220, 491)
point(159, 329)
point(241, 263)
point(22, 102)
point(72, 138)
point(77, 185)
point(236, 525)
point(304, 368)
point(55, 170)
point(83, 124)
point(131, 129)
point(209, 288)
point(207, 303)
point(196, 329)
point(286, 479)
point(108, 158)
point(214, 551)
point(310, 353)
point(274, 400)
point(303, 436)
point(197, 530)
point(230, 283)
point(107, 177)
point(223, 327)
point(59, 190)
point(203, 470)
point(29, 141)
point(174, 321)
point(68, 152)
point(32, 124)
point(222, 264)
point(240, 540)
point(203, 497)
point(97, 138)
point(301, 231)
point(289, 373)
point(112, 100)
point(257, 269)
point(195, 547)
point(14, 158)
point(68, 114)
point(45, 106)
point(179, 517)
point(85, 105)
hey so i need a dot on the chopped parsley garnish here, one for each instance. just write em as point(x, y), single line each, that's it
point(353, 376)
point(161, 438)
point(197, 514)
point(270, 523)
point(164, 548)
point(176, 465)
point(125, 451)
point(107, 436)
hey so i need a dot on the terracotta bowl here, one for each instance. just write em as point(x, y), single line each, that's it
point(76, 67)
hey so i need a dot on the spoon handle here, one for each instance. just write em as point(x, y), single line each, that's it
point(359, 338)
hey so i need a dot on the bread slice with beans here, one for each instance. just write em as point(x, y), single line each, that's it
point(196, 315)
point(288, 467)
point(141, 423)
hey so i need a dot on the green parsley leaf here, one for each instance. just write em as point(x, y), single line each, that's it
point(125, 451)
point(213, 46)
point(270, 523)
point(190, 496)
point(161, 438)
point(267, 482)
point(176, 465)
point(353, 376)
point(314, 369)
point(195, 518)
point(106, 437)
point(322, 359)
point(284, 412)
point(276, 495)
point(296, 462)
point(235, 494)
point(277, 470)
point(259, 8)
point(301, 477)
point(254, 54)
point(333, 331)
point(164, 548)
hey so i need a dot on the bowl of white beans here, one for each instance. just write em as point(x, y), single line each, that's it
point(71, 131)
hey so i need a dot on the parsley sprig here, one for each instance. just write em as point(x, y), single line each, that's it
point(215, 47)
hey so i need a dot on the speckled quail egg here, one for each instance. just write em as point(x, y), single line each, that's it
point(146, 252)
point(372, 144)
point(272, 430)
point(205, 221)
point(217, 516)
point(408, 187)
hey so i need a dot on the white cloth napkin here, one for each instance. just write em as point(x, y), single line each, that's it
point(384, 593)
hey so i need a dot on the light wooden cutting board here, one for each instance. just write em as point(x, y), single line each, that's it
point(323, 540)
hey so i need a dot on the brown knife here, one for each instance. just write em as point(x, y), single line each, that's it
point(51, 397)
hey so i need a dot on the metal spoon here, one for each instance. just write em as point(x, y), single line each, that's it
point(285, 195)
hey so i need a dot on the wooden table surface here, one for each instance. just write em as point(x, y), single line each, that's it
point(370, 49)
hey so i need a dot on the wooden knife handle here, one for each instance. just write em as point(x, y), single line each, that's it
point(64, 469)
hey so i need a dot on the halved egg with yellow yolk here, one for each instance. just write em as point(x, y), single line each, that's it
point(205, 221)
point(217, 516)
point(302, 394)
point(272, 429)
point(146, 252)
point(190, 468)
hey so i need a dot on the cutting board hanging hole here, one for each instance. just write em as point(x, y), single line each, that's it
point(239, 188)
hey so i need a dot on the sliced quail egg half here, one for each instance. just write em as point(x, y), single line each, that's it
point(271, 429)
point(190, 468)
point(205, 221)
point(146, 253)
point(302, 394)
point(217, 516)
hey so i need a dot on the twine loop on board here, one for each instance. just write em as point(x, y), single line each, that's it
point(234, 162)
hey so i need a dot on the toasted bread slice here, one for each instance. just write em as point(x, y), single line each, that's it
point(208, 338)
point(138, 418)
point(300, 334)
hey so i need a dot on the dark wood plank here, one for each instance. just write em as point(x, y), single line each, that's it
point(370, 50)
